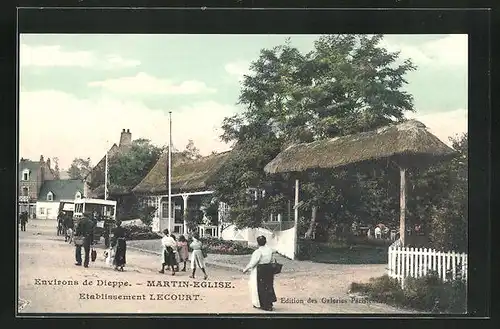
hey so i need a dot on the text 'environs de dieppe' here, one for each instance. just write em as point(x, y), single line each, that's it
point(148, 283)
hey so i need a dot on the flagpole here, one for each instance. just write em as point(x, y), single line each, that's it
point(106, 178)
point(170, 172)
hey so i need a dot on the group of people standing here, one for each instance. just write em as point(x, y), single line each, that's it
point(175, 252)
point(84, 236)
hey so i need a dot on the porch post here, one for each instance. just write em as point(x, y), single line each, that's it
point(158, 213)
point(296, 218)
point(185, 198)
point(402, 204)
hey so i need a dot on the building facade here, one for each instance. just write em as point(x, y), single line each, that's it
point(32, 175)
point(52, 192)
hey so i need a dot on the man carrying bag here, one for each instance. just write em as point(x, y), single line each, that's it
point(83, 238)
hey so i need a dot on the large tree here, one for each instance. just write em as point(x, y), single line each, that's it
point(346, 84)
point(79, 168)
point(126, 170)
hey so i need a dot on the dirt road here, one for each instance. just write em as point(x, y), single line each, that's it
point(50, 282)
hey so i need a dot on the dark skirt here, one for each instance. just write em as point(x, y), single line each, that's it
point(265, 285)
point(121, 250)
point(169, 257)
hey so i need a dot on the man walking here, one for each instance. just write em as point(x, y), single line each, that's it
point(24, 220)
point(84, 230)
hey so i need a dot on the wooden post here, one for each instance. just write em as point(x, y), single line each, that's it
point(296, 218)
point(185, 198)
point(402, 204)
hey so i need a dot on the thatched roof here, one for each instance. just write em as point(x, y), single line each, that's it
point(112, 190)
point(409, 142)
point(187, 175)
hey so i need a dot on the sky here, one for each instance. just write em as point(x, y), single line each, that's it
point(77, 92)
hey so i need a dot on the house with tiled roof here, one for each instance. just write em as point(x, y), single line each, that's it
point(54, 191)
point(31, 176)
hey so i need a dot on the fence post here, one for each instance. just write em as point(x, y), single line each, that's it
point(454, 265)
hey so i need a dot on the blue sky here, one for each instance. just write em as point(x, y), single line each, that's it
point(77, 92)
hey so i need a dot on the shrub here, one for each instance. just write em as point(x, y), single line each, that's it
point(135, 232)
point(307, 248)
point(219, 246)
point(426, 293)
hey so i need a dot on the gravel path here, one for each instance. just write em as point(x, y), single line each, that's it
point(50, 282)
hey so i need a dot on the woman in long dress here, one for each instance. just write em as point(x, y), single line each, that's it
point(197, 259)
point(169, 246)
point(261, 282)
point(119, 246)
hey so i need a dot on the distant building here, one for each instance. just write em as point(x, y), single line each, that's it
point(32, 175)
point(95, 179)
point(52, 192)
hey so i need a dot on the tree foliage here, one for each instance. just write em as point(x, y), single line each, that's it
point(79, 168)
point(449, 214)
point(346, 84)
point(191, 151)
point(128, 168)
point(56, 170)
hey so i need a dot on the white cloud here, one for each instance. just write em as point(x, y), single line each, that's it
point(56, 124)
point(238, 68)
point(444, 124)
point(143, 83)
point(50, 56)
point(451, 50)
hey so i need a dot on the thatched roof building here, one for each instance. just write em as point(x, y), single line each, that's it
point(187, 175)
point(408, 140)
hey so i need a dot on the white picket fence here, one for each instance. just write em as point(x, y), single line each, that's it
point(418, 262)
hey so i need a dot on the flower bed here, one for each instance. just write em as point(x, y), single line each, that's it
point(134, 232)
point(225, 247)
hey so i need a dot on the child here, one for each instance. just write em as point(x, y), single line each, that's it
point(69, 235)
point(183, 251)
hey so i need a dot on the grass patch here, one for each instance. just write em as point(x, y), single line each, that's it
point(342, 252)
point(428, 293)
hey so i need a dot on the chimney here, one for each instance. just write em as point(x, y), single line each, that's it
point(48, 162)
point(125, 138)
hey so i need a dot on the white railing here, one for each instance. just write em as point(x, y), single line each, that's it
point(208, 230)
point(418, 262)
point(24, 198)
point(178, 228)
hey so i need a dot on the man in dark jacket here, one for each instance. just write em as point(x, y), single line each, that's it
point(24, 220)
point(85, 229)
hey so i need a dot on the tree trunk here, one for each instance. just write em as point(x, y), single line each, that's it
point(312, 225)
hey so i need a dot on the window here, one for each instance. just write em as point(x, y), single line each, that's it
point(50, 196)
point(78, 195)
point(25, 191)
point(42, 211)
point(26, 174)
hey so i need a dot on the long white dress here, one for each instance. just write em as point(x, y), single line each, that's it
point(263, 255)
point(167, 241)
point(197, 259)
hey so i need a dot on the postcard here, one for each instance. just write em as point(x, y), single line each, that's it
point(242, 174)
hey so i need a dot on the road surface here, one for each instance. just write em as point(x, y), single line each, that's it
point(50, 282)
